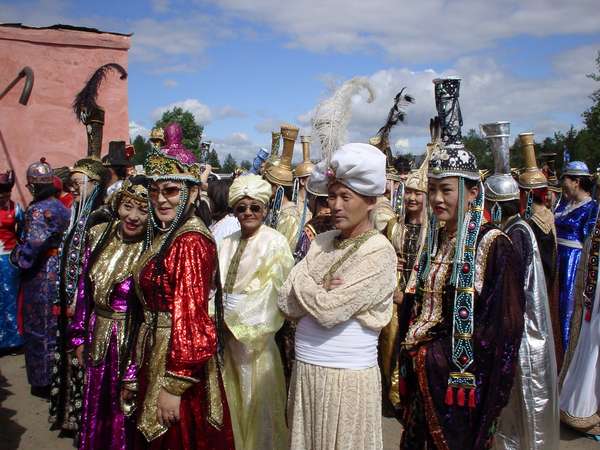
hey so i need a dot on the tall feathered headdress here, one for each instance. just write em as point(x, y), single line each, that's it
point(396, 115)
point(332, 115)
point(85, 100)
point(89, 112)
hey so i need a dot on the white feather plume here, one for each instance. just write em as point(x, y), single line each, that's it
point(332, 115)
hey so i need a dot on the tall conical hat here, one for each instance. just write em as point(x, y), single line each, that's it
point(501, 186)
point(531, 177)
point(281, 174)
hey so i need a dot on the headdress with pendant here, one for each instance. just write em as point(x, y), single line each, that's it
point(132, 190)
point(500, 186)
point(451, 159)
point(90, 167)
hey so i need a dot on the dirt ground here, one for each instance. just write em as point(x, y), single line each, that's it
point(24, 418)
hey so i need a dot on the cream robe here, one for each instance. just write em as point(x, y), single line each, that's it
point(253, 371)
point(333, 408)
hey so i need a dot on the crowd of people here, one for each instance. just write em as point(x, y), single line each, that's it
point(165, 307)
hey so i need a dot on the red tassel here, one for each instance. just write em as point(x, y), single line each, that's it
point(460, 397)
point(588, 314)
point(449, 396)
point(472, 398)
point(402, 387)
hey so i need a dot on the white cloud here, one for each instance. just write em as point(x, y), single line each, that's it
point(418, 30)
point(200, 111)
point(136, 129)
point(402, 144)
point(488, 93)
point(170, 83)
point(238, 144)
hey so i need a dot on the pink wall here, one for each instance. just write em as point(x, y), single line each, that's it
point(62, 62)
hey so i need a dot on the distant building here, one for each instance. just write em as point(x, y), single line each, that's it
point(63, 58)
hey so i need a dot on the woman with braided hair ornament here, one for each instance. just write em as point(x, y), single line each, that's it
point(175, 372)
point(88, 185)
point(106, 317)
point(458, 357)
point(341, 296)
point(254, 263)
point(36, 255)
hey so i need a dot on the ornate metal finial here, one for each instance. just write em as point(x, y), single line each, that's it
point(447, 91)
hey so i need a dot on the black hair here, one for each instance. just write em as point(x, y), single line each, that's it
point(43, 191)
point(5, 188)
point(288, 191)
point(470, 184)
point(218, 193)
point(585, 182)
point(120, 171)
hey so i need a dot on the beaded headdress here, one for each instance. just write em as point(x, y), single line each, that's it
point(451, 159)
point(90, 167)
point(159, 166)
point(500, 186)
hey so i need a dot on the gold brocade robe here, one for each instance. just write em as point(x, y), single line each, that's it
point(253, 371)
point(289, 224)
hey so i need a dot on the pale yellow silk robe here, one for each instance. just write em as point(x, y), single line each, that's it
point(253, 371)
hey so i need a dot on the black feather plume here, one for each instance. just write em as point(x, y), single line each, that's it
point(85, 100)
point(397, 113)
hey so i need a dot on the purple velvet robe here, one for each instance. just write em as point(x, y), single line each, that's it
point(103, 424)
point(498, 326)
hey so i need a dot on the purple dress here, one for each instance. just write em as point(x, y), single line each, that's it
point(103, 323)
point(37, 257)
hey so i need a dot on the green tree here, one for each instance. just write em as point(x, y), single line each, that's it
point(192, 131)
point(141, 146)
point(213, 159)
point(477, 145)
point(246, 165)
point(229, 165)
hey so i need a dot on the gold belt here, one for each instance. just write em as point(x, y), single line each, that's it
point(162, 319)
point(110, 314)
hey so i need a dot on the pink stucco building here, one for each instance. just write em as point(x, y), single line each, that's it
point(62, 59)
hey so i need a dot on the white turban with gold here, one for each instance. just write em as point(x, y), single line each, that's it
point(252, 186)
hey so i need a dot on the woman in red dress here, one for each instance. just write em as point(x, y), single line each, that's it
point(180, 400)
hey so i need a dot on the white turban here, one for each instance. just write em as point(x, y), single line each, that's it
point(252, 186)
point(360, 167)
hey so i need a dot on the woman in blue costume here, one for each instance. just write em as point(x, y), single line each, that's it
point(11, 218)
point(36, 255)
point(574, 218)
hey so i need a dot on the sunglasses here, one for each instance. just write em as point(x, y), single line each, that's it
point(253, 208)
point(168, 192)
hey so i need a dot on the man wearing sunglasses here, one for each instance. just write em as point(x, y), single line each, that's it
point(254, 263)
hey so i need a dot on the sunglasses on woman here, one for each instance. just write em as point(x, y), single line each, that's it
point(253, 208)
point(168, 192)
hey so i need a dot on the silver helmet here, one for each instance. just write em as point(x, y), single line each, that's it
point(501, 186)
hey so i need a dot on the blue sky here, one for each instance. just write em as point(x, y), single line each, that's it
point(243, 67)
